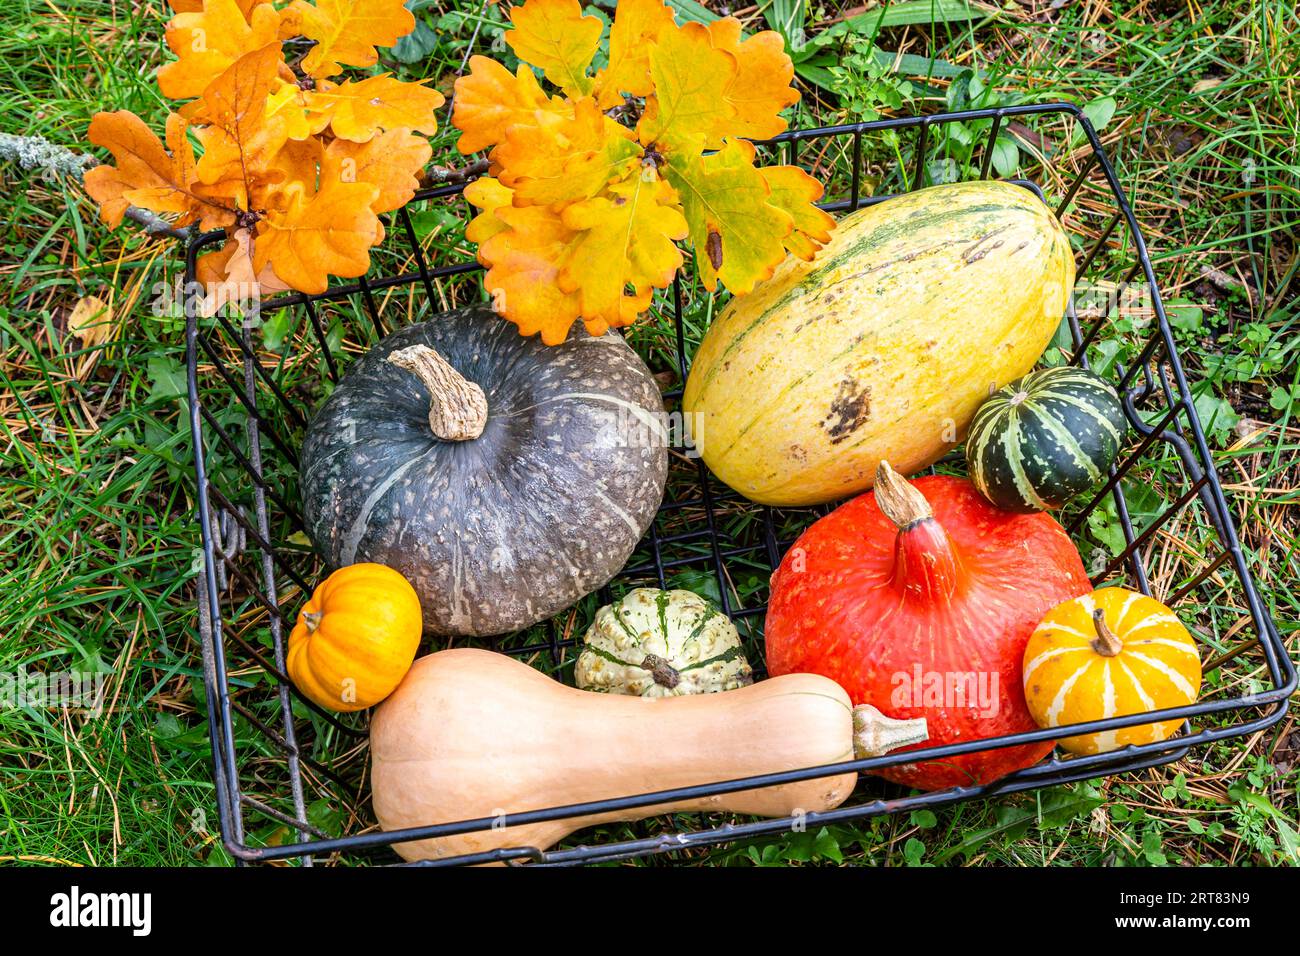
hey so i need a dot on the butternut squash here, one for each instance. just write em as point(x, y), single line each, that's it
point(470, 733)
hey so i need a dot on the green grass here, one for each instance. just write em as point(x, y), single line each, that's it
point(98, 553)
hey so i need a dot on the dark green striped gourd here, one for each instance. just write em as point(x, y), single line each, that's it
point(1046, 437)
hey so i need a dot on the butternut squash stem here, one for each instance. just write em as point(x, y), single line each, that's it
point(457, 406)
point(1106, 644)
point(898, 500)
point(875, 735)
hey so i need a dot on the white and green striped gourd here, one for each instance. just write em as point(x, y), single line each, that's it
point(653, 643)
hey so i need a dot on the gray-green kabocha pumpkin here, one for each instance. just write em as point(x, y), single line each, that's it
point(653, 643)
point(1046, 437)
point(504, 478)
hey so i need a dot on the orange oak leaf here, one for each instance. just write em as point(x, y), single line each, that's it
point(687, 110)
point(146, 175)
point(524, 261)
point(297, 161)
point(209, 41)
point(565, 157)
point(241, 135)
point(737, 234)
point(761, 87)
point(390, 161)
point(491, 100)
point(347, 31)
point(626, 238)
point(795, 192)
point(314, 237)
point(228, 276)
point(638, 25)
point(555, 37)
point(357, 110)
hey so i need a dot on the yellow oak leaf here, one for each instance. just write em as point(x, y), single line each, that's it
point(390, 161)
point(209, 41)
point(357, 110)
point(795, 192)
point(488, 195)
point(490, 100)
point(637, 27)
point(555, 37)
point(317, 236)
point(626, 238)
point(286, 108)
point(564, 158)
point(228, 276)
point(146, 175)
point(737, 234)
point(687, 109)
point(347, 31)
point(761, 87)
point(524, 262)
point(240, 135)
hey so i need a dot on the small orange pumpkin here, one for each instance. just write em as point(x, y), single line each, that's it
point(356, 638)
point(1110, 653)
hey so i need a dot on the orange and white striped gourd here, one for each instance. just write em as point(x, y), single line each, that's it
point(1110, 653)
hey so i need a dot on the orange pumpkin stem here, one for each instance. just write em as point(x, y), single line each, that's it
point(1106, 644)
point(457, 406)
point(312, 619)
point(925, 563)
point(898, 500)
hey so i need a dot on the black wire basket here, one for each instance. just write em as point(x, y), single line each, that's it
point(290, 777)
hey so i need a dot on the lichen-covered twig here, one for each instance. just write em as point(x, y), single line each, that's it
point(54, 161)
point(443, 175)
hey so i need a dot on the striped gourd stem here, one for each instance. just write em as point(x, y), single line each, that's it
point(1107, 644)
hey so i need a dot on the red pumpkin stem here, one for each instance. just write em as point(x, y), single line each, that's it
point(457, 406)
point(875, 735)
point(1106, 644)
point(924, 561)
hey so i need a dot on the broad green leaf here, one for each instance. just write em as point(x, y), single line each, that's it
point(1006, 156)
point(690, 10)
point(787, 18)
point(912, 12)
point(1099, 112)
point(1061, 805)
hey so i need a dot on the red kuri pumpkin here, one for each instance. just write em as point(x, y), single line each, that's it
point(919, 598)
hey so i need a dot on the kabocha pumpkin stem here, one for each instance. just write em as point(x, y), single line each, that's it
point(664, 673)
point(898, 500)
point(875, 735)
point(457, 406)
point(1106, 644)
point(925, 564)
